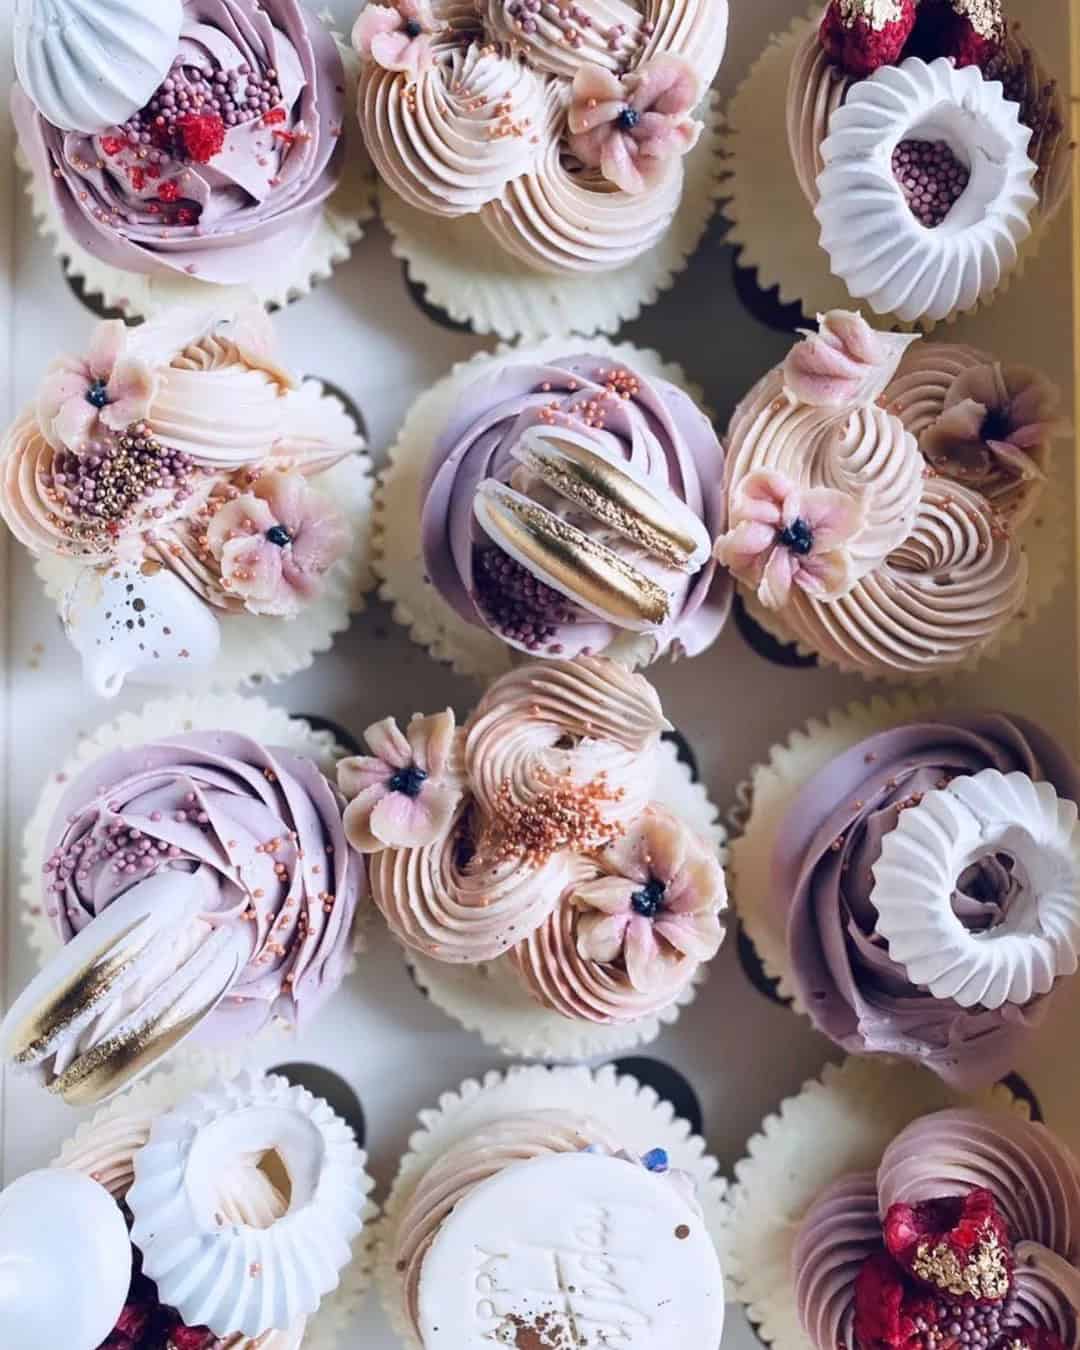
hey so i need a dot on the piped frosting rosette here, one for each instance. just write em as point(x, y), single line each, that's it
point(201, 886)
point(184, 493)
point(248, 1205)
point(910, 877)
point(568, 506)
point(487, 1148)
point(233, 151)
point(558, 135)
point(541, 892)
point(900, 1214)
point(877, 494)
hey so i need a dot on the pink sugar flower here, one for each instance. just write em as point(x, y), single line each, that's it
point(396, 37)
point(82, 400)
point(405, 793)
point(782, 535)
point(275, 543)
point(659, 903)
point(631, 128)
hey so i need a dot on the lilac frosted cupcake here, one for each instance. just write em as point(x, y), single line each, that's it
point(554, 505)
point(187, 143)
point(197, 882)
point(912, 879)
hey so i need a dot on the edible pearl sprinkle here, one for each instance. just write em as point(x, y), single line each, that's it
point(931, 178)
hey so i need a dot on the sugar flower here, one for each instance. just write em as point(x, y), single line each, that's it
point(275, 543)
point(396, 37)
point(782, 535)
point(658, 904)
point(405, 793)
point(82, 400)
point(631, 128)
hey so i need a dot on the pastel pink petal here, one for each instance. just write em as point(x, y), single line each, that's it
point(592, 81)
point(389, 50)
point(417, 11)
point(585, 117)
point(695, 935)
point(611, 895)
point(67, 379)
point(763, 496)
point(1032, 436)
point(287, 495)
point(107, 342)
point(853, 332)
point(320, 544)
point(386, 741)
point(1037, 401)
point(432, 740)
point(417, 57)
point(246, 516)
point(825, 576)
point(412, 822)
point(641, 953)
point(589, 146)
point(666, 84)
point(774, 588)
point(1018, 460)
point(360, 772)
point(373, 20)
point(305, 584)
point(745, 548)
point(254, 569)
point(662, 847)
point(357, 821)
point(600, 936)
point(833, 517)
point(618, 166)
point(698, 886)
point(663, 138)
point(623, 860)
point(74, 423)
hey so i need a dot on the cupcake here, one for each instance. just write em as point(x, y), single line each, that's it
point(929, 140)
point(905, 1225)
point(198, 882)
point(199, 515)
point(555, 505)
point(181, 146)
point(532, 154)
point(912, 878)
point(882, 495)
point(602, 1209)
point(261, 1248)
point(543, 866)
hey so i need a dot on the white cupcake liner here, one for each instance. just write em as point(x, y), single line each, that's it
point(632, 1112)
point(470, 649)
point(258, 647)
point(1046, 540)
point(465, 272)
point(175, 716)
point(841, 1123)
point(163, 1091)
point(772, 224)
point(491, 998)
point(136, 295)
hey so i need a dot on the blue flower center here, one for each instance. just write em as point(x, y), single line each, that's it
point(409, 781)
point(98, 394)
point(656, 1160)
point(628, 119)
point(798, 536)
point(649, 901)
point(278, 534)
point(412, 28)
point(996, 426)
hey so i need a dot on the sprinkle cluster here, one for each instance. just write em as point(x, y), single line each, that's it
point(569, 816)
point(515, 603)
point(572, 22)
point(931, 178)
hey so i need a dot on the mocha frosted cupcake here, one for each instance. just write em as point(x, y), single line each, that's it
point(199, 514)
point(881, 500)
point(912, 877)
point(568, 506)
point(187, 144)
point(198, 882)
point(544, 866)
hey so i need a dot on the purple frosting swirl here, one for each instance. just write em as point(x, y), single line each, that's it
point(826, 848)
point(647, 423)
point(135, 197)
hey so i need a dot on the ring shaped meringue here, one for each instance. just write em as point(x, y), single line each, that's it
point(1037, 937)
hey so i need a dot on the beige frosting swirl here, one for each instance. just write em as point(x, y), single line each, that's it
point(917, 392)
point(558, 976)
point(483, 1155)
point(611, 38)
point(571, 723)
point(940, 597)
point(839, 1231)
point(561, 217)
point(866, 453)
point(696, 30)
point(815, 90)
point(451, 142)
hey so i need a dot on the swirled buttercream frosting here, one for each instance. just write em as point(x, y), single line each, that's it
point(848, 959)
point(874, 493)
point(233, 154)
point(198, 883)
point(534, 838)
point(570, 506)
point(563, 128)
point(970, 1220)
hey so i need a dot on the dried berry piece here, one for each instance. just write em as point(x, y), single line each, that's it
point(203, 135)
point(956, 1245)
point(970, 32)
point(861, 36)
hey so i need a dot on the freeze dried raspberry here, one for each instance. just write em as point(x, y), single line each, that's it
point(203, 135)
point(957, 1245)
point(197, 1338)
point(861, 36)
point(970, 32)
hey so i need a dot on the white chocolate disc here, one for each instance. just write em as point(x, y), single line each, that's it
point(1037, 937)
point(575, 1250)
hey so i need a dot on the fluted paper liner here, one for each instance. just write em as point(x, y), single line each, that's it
point(492, 1000)
point(466, 273)
point(291, 276)
point(632, 1112)
point(166, 1089)
point(837, 1124)
point(398, 557)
